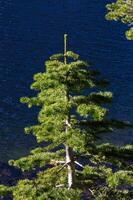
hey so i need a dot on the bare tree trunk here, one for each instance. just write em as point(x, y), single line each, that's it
point(70, 156)
point(70, 167)
point(69, 151)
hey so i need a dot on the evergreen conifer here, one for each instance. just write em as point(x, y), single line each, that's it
point(72, 98)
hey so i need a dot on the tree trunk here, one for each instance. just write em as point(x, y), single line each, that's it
point(69, 156)
point(69, 151)
point(70, 167)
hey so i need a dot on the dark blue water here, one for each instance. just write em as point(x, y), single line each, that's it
point(30, 31)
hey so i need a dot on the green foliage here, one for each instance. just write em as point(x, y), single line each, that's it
point(36, 159)
point(122, 10)
point(94, 111)
point(4, 190)
point(28, 191)
point(71, 114)
point(43, 187)
point(106, 193)
point(119, 178)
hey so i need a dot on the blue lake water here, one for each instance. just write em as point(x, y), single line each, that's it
point(30, 31)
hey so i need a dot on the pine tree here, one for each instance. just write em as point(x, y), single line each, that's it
point(122, 10)
point(72, 116)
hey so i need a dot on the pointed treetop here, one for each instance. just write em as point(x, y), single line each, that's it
point(65, 47)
